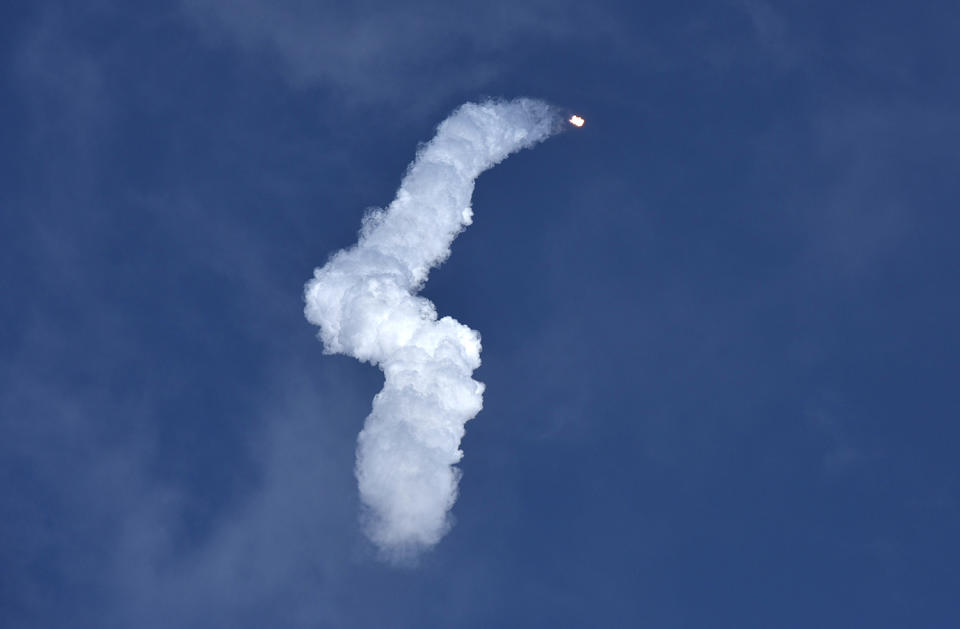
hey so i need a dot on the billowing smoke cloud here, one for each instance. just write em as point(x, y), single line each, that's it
point(365, 302)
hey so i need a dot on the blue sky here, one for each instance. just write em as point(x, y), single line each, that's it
point(719, 323)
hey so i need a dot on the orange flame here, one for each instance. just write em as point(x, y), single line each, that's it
point(576, 120)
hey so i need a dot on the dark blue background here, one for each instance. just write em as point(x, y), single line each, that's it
point(719, 322)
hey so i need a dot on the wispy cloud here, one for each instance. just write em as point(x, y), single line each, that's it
point(373, 52)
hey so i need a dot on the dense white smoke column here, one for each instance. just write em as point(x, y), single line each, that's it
point(364, 302)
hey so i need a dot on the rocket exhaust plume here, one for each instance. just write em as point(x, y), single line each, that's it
point(576, 120)
point(364, 301)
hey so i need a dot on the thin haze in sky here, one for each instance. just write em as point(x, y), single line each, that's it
point(719, 341)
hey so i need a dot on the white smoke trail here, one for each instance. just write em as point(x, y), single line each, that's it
point(365, 304)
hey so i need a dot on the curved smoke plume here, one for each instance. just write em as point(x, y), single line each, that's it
point(365, 302)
